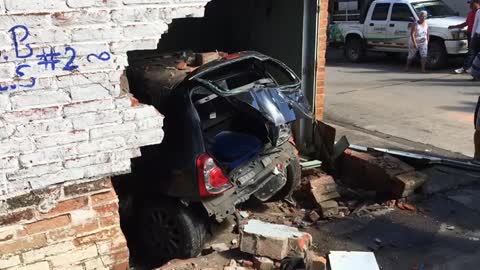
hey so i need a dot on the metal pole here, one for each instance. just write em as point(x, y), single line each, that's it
point(309, 65)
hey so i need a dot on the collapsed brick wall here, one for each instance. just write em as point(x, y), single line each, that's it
point(67, 122)
point(321, 60)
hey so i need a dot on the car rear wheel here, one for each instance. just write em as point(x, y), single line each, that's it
point(354, 50)
point(294, 175)
point(437, 55)
point(170, 230)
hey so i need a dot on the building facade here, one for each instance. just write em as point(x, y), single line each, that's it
point(68, 124)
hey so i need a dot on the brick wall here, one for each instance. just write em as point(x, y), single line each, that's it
point(74, 226)
point(322, 46)
point(66, 123)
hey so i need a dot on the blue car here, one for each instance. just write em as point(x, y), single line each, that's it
point(227, 132)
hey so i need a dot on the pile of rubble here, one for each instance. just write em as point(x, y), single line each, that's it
point(364, 184)
point(381, 173)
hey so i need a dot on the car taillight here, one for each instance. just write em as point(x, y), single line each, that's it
point(211, 179)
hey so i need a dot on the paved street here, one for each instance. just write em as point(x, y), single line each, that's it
point(377, 95)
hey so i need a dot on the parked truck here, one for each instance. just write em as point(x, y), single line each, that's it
point(384, 26)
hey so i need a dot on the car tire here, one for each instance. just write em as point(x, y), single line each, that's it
point(437, 55)
point(294, 176)
point(167, 230)
point(354, 50)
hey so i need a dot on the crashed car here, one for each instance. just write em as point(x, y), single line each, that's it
point(227, 131)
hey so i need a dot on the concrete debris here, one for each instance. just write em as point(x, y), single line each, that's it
point(205, 58)
point(324, 141)
point(323, 188)
point(219, 247)
point(342, 260)
point(244, 214)
point(313, 216)
point(314, 261)
point(246, 263)
point(182, 65)
point(382, 173)
point(233, 266)
point(404, 185)
point(272, 240)
point(263, 263)
point(406, 206)
point(329, 209)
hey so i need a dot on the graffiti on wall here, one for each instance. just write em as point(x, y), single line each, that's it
point(49, 58)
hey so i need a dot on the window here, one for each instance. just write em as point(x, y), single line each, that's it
point(380, 13)
point(401, 13)
point(435, 9)
point(281, 76)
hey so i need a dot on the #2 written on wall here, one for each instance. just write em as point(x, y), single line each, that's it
point(49, 58)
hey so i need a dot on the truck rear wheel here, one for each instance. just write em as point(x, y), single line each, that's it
point(354, 50)
point(437, 55)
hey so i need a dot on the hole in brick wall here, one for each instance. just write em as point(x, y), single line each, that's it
point(271, 27)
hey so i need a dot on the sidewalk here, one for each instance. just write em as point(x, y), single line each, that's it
point(359, 136)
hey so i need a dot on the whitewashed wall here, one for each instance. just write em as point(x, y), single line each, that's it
point(63, 115)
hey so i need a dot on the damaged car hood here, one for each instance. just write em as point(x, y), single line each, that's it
point(276, 105)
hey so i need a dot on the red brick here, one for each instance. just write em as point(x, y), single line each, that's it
point(322, 44)
point(109, 221)
point(98, 236)
point(373, 171)
point(104, 198)
point(75, 231)
point(182, 65)
point(88, 187)
point(107, 209)
point(315, 262)
point(121, 266)
point(67, 206)
point(16, 217)
point(204, 58)
point(405, 184)
point(22, 244)
point(120, 256)
point(47, 224)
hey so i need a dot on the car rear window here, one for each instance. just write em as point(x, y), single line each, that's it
point(244, 74)
point(380, 13)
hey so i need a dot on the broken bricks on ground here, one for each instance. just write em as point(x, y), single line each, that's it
point(365, 177)
point(360, 182)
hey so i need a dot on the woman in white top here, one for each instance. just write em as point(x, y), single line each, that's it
point(418, 41)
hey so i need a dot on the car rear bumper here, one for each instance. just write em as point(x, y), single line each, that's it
point(456, 46)
point(259, 178)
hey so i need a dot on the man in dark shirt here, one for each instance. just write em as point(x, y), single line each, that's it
point(476, 136)
point(474, 6)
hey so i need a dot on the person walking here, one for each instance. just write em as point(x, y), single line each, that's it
point(476, 135)
point(467, 64)
point(418, 42)
point(475, 43)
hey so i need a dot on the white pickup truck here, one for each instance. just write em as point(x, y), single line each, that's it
point(383, 26)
